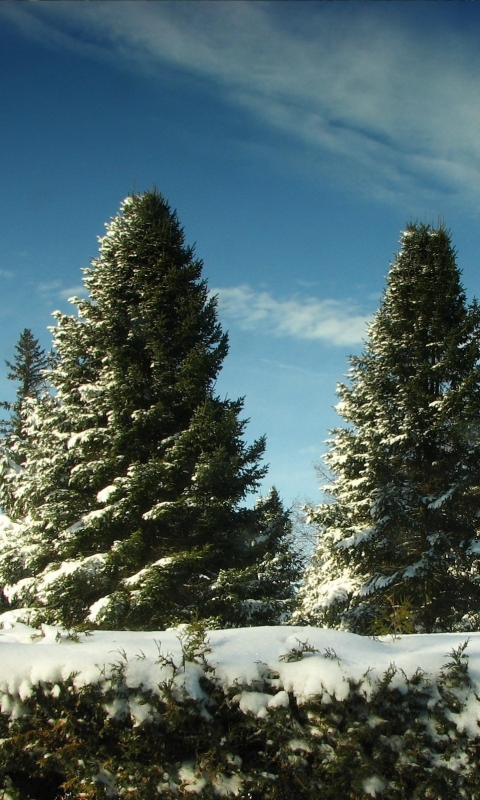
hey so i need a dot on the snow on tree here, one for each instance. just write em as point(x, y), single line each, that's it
point(399, 545)
point(129, 505)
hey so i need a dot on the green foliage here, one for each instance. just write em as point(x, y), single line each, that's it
point(399, 618)
point(262, 590)
point(402, 516)
point(390, 738)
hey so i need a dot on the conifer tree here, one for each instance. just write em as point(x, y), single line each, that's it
point(399, 540)
point(28, 369)
point(130, 500)
point(263, 590)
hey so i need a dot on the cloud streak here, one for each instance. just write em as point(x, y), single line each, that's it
point(330, 321)
point(56, 289)
point(363, 88)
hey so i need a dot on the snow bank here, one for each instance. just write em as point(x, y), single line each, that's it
point(304, 661)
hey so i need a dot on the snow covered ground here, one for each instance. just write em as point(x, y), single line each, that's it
point(247, 658)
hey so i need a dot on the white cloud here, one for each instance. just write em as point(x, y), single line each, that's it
point(73, 291)
point(367, 86)
point(56, 289)
point(6, 273)
point(331, 321)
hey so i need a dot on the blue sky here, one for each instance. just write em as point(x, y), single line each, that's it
point(295, 139)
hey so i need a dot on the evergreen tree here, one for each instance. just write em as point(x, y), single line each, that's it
point(399, 543)
point(263, 591)
point(130, 500)
point(28, 369)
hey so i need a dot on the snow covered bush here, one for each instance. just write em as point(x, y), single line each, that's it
point(259, 714)
point(398, 538)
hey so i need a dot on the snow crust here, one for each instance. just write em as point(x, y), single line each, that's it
point(243, 658)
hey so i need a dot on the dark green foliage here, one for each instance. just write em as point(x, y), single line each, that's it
point(402, 530)
point(137, 471)
point(394, 743)
point(262, 590)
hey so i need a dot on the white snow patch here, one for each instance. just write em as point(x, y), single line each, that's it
point(97, 514)
point(79, 438)
point(373, 785)
point(378, 582)
point(8, 529)
point(412, 570)
point(224, 785)
point(77, 526)
point(258, 702)
point(90, 564)
point(329, 592)
point(136, 579)
point(104, 494)
point(97, 608)
point(438, 503)
point(355, 539)
point(299, 744)
point(190, 783)
point(158, 509)
point(13, 591)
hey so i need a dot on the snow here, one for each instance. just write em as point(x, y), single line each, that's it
point(104, 494)
point(190, 782)
point(135, 580)
point(8, 529)
point(258, 702)
point(329, 591)
point(438, 503)
point(159, 508)
point(97, 608)
point(413, 569)
point(88, 565)
point(77, 526)
point(355, 539)
point(373, 785)
point(245, 657)
point(380, 582)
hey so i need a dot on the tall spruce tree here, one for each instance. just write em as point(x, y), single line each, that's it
point(130, 500)
point(28, 370)
point(399, 541)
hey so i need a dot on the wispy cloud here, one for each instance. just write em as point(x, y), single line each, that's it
point(6, 273)
point(280, 365)
point(331, 321)
point(399, 104)
point(57, 290)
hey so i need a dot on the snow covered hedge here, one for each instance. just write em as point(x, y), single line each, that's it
point(258, 713)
